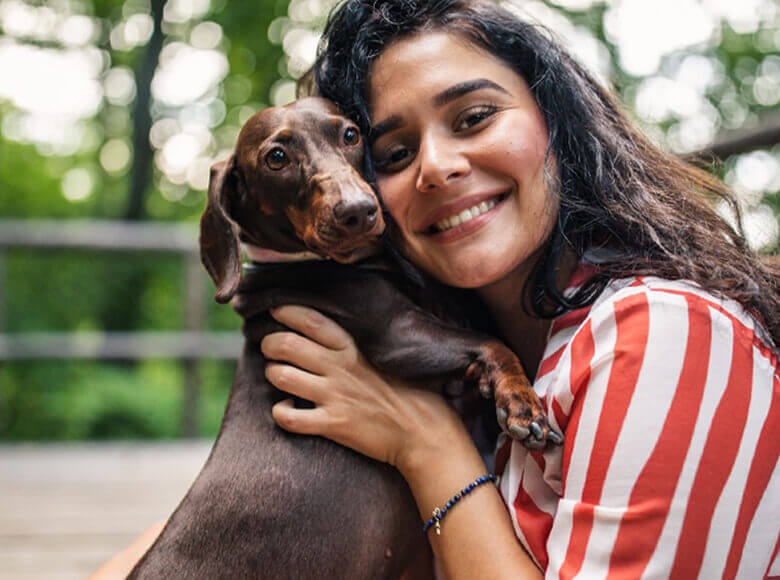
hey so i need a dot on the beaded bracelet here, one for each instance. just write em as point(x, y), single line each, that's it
point(439, 513)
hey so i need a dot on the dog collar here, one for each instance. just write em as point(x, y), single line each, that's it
point(266, 256)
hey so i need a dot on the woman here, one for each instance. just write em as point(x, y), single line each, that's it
point(646, 322)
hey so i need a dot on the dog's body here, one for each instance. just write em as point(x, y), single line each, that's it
point(275, 505)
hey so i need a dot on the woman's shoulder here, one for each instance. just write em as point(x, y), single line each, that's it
point(674, 307)
point(655, 324)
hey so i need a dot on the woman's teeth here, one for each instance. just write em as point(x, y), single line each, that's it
point(464, 216)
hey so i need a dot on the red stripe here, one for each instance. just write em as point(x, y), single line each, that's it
point(502, 456)
point(772, 560)
point(764, 461)
point(573, 318)
point(550, 362)
point(582, 351)
point(653, 491)
point(581, 273)
point(560, 417)
point(717, 459)
point(632, 321)
point(536, 525)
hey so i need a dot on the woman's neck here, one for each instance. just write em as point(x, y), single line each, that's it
point(525, 334)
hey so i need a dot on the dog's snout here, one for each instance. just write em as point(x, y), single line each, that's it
point(356, 216)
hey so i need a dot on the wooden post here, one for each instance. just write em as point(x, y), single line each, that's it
point(3, 291)
point(194, 313)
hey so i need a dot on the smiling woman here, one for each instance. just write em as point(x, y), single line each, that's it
point(648, 324)
point(444, 143)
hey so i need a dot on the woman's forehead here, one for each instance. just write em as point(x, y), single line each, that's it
point(421, 66)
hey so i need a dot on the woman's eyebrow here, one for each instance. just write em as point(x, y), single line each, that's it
point(389, 124)
point(457, 91)
point(444, 97)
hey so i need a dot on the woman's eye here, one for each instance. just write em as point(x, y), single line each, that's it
point(392, 160)
point(277, 159)
point(351, 136)
point(474, 116)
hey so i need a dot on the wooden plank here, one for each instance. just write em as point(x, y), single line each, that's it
point(120, 345)
point(67, 508)
point(99, 235)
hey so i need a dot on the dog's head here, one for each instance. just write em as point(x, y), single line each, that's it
point(293, 184)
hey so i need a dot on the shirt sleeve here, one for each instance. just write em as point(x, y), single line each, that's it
point(671, 448)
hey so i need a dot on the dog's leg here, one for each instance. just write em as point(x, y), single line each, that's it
point(418, 346)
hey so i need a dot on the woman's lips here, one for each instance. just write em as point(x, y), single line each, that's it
point(464, 229)
point(455, 207)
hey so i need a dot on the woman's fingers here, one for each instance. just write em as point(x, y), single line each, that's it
point(296, 349)
point(296, 382)
point(311, 323)
point(303, 421)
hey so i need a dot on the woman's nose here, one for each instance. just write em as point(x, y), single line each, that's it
point(441, 162)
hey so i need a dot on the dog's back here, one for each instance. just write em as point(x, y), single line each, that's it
point(270, 504)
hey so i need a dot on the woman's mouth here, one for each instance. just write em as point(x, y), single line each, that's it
point(466, 220)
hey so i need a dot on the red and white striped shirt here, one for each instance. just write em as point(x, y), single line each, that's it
point(669, 400)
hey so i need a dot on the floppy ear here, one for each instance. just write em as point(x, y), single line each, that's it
point(220, 251)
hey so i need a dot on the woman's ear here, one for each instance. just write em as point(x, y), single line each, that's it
point(220, 250)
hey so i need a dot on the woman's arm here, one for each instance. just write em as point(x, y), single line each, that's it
point(120, 565)
point(412, 429)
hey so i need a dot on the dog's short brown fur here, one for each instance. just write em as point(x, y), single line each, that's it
point(271, 504)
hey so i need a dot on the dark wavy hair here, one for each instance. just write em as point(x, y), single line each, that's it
point(648, 211)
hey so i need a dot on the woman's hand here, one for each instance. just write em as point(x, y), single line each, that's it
point(354, 404)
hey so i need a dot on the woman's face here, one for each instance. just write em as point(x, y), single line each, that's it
point(459, 151)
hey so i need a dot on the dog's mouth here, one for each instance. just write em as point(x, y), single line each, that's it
point(330, 241)
point(355, 255)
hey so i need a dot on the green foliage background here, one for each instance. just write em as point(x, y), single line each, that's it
point(77, 291)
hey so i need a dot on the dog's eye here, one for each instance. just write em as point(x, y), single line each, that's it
point(276, 159)
point(351, 136)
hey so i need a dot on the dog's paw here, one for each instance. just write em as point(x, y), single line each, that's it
point(519, 411)
point(521, 416)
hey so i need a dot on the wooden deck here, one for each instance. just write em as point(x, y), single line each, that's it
point(65, 509)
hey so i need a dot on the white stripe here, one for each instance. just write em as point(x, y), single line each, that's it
point(717, 379)
point(557, 386)
point(540, 493)
point(602, 323)
point(774, 570)
point(560, 338)
point(604, 330)
point(558, 541)
point(763, 534)
point(724, 518)
point(764, 530)
point(655, 387)
point(510, 484)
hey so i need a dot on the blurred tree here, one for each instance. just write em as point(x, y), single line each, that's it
point(116, 109)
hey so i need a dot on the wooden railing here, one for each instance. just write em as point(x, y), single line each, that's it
point(188, 346)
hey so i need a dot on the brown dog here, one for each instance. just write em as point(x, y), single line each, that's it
point(272, 504)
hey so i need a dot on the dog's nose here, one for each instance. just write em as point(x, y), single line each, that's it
point(356, 217)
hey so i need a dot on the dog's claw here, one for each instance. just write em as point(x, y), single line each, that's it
point(501, 416)
point(555, 437)
point(518, 432)
point(536, 430)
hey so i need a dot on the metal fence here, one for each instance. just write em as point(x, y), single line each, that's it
point(188, 346)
